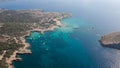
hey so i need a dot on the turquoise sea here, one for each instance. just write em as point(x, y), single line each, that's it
point(76, 44)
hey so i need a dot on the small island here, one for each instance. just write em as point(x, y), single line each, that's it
point(15, 25)
point(111, 40)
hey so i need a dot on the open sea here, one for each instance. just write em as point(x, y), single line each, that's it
point(76, 44)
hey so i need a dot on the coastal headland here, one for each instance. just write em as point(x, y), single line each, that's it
point(15, 25)
point(111, 40)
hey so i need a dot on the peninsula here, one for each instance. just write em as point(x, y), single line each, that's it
point(15, 25)
point(111, 40)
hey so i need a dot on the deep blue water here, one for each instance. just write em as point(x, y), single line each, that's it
point(68, 47)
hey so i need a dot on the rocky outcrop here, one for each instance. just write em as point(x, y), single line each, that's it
point(111, 40)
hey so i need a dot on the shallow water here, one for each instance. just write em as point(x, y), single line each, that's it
point(58, 49)
point(74, 45)
point(71, 46)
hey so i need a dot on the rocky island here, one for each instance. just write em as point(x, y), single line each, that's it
point(15, 25)
point(111, 40)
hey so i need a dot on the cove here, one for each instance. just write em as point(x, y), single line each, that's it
point(57, 49)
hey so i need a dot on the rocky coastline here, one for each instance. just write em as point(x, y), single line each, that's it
point(48, 22)
point(25, 49)
point(111, 40)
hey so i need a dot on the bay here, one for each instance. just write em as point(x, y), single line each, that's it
point(75, 45)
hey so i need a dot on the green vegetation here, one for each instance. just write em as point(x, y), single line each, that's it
point(14, 29)
point(12, 16)
point(10, 46)
point(3, 64)
point(15, 23)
